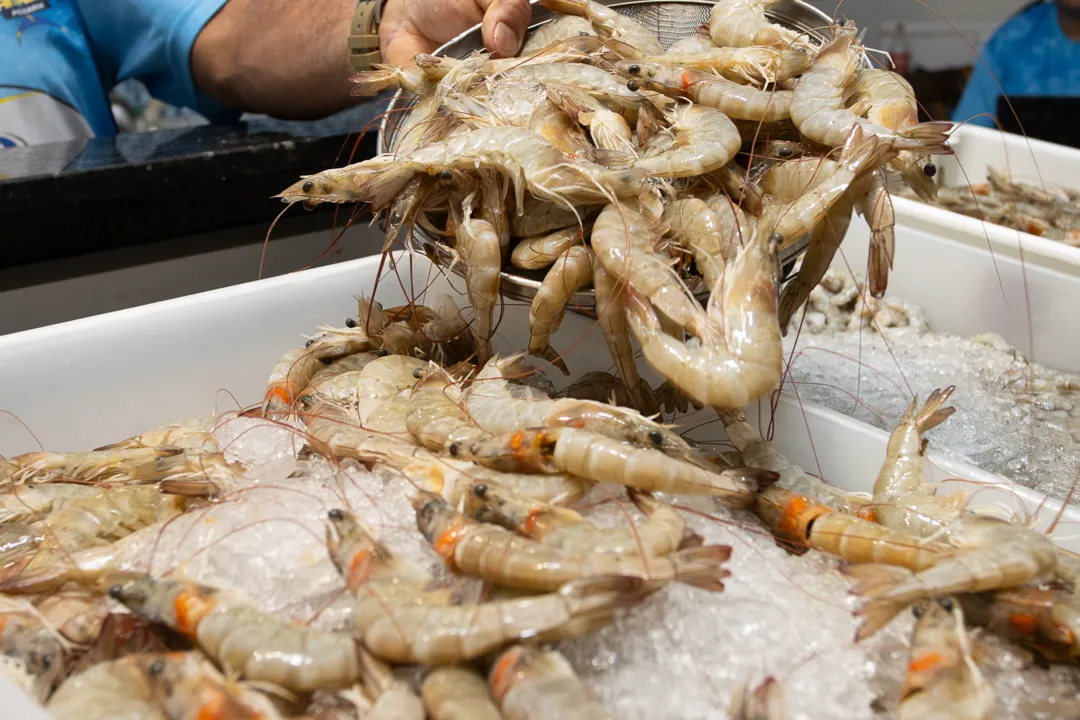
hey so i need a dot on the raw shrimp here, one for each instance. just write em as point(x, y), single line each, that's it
point(337, 381)
point(699, 42)
point(736, 226)
point(541, 251)
point(570, 273)
point(608, 88)
point(1047, 621)
point(818, 105)
point(825, 240)
point(872, 200)
point(744, 363)
point(738, 102)
point(740, 23)
point(611, 316)
point(478, 245)
point(116, 690)
point(436, 414)
point(382, 379)
point(697, 228)
point(495, 411)
point(765, 702)
point(608, 22)
point(458, 693)
point(733, 179)
point(522, 104)
point(499, 556)
point(242, 638)
point(339, 434)
point(125, 465)
point(756, 64)
point(891, 103)
point(608, 129)
point(400, 622)
point(531, 684)
point(663, 531)
point(623, 239)
point(30, 501)
point(384, 77)
point(449, 331)
point(393, 699)
point(388, 419)
point(596, 457)
point(705, 140)
point(451, 478)
point(187, 434)
point(561, 28)
point(942, 680)
point(31, 653)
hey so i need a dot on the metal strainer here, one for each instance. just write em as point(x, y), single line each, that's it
point(671, 20)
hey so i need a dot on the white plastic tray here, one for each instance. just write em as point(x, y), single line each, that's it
point(82, 384)
point(972, 277)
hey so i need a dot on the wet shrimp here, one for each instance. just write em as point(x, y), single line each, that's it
point(392, 698)
point(611, 316)
point(533, 684)
point(942, 681)
point(523, 104)
point(606, 87)
point(602, 459)
point(1045, 620)
point(663, 531)
point(608, 22)
point(755, 64)
point(499, 556)
point(825, 240)
point(478, 245)
point(458, 693)
point(398, 621)
point(738, 102)
point(818, 104)
point(436, 414)
point(563, 27)
point(243, 639)
point(741, 23)
point(541, 251)
point(705, 140)
point(608, 129)
point(570, 273)
point(697, 228)
point(187, 434)
point(337, 381)
point(745, 362)
point(121, 465)
point(31, 502)
point(740, 188)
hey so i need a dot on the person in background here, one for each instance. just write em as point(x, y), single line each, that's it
point(284, 58)
point(1036, 52)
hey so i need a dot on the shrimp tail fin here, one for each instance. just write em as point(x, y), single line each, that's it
point(873, 580)
point(172, 464)
point(932, 414)
point(600, 594)
point(612, 158)
point(702, 567)
point(372, 82)
point(552, 355)
point(188, 487)
point(929, 137)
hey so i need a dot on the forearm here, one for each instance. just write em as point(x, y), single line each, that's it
point(284, 58)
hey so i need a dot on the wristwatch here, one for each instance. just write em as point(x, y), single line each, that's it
point(364, 35)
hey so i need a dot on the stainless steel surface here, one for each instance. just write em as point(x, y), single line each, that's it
point(670, 20)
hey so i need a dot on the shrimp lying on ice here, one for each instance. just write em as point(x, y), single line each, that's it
point(123, 465)
point(501, 557)
point(399, 622)
point(818, 105)
point(1047, 621)
point(31, 653)
point(942, 681)
point(458, 693)
point(436, 414)
point(531, 684)
point(187, 434)
point(243, 639)
point(452, 479)
point(570, 273)
point(663, 531)
point(741, 23)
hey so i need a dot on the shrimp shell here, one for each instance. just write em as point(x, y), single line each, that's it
point(458, 693)
point(539, 252)
point(570, 273)
point(608, 22)
point(611, 316)
point(561, 28)
point(741, 23)
point(531, 684)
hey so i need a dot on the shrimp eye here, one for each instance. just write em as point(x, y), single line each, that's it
point(930, 169)
point(634, 69)
point(453, 449)
point(306, 400)
point(157, 668)
point(918, 611)
point(336, 514)
point(480, 490)
point(655, 437)
point(46, 661)
point(418, 373)
point(310, 342)
point(382, 352)
point(785, 152)
point(584, 33)
point(946, 604)
point(116, 592)
point(326, 361)
point(308, 186)
point(445, 175)
point(632, 86)
point(350, 323)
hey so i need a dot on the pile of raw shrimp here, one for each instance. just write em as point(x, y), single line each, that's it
point(460, 544)
point(598, 158)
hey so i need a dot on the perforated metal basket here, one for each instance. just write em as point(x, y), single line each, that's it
point(671, 20)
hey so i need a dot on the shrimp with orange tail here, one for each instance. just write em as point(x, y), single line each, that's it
point(400, 622)
point(597, 457)
point(663, 531)
point(241, 638)
point(743, 363)
point(503, 558)
point(942, 681)
point(532, 684)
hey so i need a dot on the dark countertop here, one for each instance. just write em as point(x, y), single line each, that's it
point(65, 199)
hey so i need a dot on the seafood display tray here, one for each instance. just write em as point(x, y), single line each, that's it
point(85, 383)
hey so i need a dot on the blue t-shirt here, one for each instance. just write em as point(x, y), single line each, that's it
point(60, 58)
point(1029, 55)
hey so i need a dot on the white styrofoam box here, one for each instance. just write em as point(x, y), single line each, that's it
point(1030, 160)
point(85, 383)
point(972, 277)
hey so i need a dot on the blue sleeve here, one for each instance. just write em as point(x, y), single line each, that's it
point(151, 40)
point(982, 92)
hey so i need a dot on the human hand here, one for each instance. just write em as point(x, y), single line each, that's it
point(410, 27)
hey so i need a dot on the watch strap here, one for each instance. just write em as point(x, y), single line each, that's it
point(364, 35)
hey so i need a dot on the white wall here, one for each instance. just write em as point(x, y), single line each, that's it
point(934, 44)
